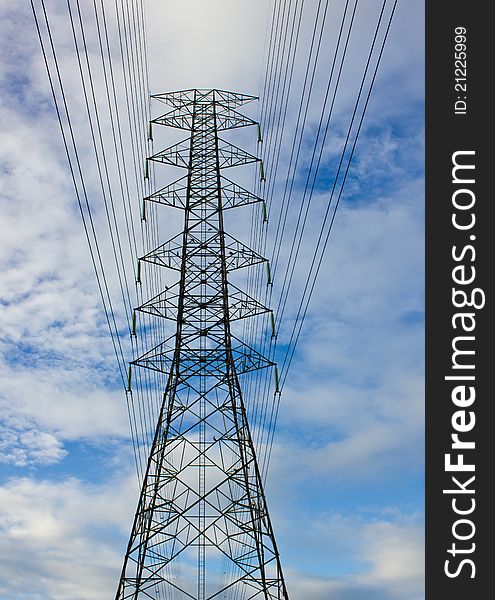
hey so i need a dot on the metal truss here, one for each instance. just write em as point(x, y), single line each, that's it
point(202, 498)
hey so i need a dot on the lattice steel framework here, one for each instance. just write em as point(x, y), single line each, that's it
point(202, 497)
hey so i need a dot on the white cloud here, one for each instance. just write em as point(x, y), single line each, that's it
point(21, 447)
point(217, 44)
point(389, 554)
point(71, 404)
point(63, 540)
point(395, 553)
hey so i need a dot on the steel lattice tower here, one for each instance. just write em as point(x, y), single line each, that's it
point(202, 496)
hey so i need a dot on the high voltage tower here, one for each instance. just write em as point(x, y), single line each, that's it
point(202, 500)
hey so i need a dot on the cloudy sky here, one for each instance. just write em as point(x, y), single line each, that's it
point(345, 485)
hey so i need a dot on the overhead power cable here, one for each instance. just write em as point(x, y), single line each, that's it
point(268, 411)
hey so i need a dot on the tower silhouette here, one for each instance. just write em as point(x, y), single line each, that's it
point(202, 500)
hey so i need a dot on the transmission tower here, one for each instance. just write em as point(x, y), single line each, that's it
point(202, 500)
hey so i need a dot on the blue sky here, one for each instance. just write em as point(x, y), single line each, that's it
point(345, 485)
